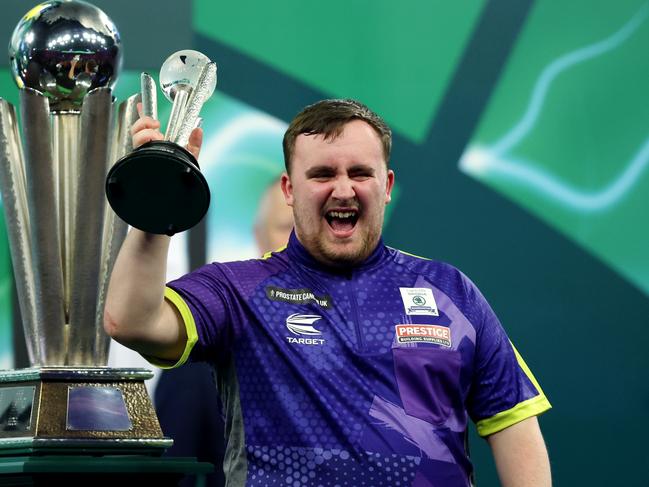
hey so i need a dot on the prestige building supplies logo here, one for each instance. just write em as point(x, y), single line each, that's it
point(302, 325)
point(297, 296)
point(440, 335)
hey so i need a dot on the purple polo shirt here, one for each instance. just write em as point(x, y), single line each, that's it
point(362, 377)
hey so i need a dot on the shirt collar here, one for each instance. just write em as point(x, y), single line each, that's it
point(297, 252)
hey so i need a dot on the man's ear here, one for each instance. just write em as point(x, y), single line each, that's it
point(287, 188)
point(388, 186)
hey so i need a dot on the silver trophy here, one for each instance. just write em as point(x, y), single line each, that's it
point(159, 187)
point(65, 57)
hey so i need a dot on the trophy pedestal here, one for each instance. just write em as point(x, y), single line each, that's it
point(78, 410)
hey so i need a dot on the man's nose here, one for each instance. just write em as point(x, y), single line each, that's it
point(343, 189)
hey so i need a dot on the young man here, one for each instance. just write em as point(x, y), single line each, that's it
point(341, 361)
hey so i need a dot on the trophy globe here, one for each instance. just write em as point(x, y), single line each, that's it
point(65, 49)
point(159, 188)
point(181, 71)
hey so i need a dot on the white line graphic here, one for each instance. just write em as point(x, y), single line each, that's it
point(480, 160)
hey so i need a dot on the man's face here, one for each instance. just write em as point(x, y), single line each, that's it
point(338, 190)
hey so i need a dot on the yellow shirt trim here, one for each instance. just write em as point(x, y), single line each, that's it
point(526, 409)
point(190, 327)
point(267, 255)
point(408, 253)
point(526, 369)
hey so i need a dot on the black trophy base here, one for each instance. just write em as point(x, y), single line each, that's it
point(158, 188)
point(100, 471)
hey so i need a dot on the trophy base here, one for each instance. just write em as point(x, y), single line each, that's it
point(158, 188)
point(69, 410)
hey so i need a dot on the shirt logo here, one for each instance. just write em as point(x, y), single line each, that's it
point(419, 301)
point(302, 325)
point(440, 335)
point(297, 296)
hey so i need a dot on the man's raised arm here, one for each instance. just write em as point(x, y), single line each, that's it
point(136, 313)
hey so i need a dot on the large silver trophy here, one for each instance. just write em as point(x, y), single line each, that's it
point(65, 57)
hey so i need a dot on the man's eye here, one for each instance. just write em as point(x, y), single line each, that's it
point(321, 175)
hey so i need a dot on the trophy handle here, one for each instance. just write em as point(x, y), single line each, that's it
point(149, 96)
point(200, 94)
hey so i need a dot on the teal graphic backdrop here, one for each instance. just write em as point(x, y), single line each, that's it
point(565, 133)
point(363, 49)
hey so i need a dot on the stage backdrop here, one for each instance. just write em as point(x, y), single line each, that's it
point(522, 157)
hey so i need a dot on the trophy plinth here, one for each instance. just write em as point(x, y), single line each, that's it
point(158, 188)
point(77, 410)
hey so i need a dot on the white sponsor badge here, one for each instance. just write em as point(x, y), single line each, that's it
point(419, 301)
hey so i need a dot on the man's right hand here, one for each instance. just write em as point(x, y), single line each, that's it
point(146, 129)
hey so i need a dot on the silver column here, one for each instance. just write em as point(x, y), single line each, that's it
point(65, 147)
point(96, 117)
point(42, 198)
point(14, 198)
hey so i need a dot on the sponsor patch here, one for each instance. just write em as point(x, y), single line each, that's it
point(297, 296)
point(419, 301)
point(440, 335)
point(302, 325)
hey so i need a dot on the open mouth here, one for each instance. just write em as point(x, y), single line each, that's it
point(342, 221)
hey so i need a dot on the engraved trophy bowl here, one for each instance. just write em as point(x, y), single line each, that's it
point(159, 187)
point(65, 57)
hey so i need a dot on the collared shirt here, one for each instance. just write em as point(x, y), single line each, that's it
point(361, 377)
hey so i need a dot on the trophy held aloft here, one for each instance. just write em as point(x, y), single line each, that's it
point(65, 57)
point(159, 187)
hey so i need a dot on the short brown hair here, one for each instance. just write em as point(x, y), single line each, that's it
point(328, 117)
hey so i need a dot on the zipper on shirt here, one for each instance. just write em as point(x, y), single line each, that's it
point(357, 323)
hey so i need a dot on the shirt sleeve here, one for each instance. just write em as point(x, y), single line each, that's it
point(204, 301)
point(504, 391)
